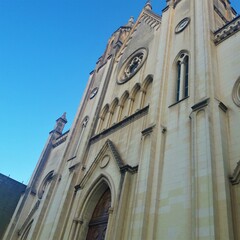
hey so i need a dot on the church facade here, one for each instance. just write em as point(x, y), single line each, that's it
point(153, 152)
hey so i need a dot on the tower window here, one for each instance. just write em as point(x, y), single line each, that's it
point(182, 77)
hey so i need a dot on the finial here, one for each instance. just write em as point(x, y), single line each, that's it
point(64, 116)
point(130, 21)
point(148, 5)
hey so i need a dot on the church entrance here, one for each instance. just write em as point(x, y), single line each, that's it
point(98, 223)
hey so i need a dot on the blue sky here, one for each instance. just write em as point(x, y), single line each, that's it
point(47, 50)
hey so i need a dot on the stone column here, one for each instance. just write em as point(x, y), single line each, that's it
point(129, 106)
point(203, 222)
point(182, 81)
point(142, 206)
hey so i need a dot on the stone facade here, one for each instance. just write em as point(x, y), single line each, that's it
point(157, 129)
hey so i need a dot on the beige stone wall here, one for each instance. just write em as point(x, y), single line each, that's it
point(167, 162)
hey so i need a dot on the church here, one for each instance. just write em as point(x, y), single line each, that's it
point(153, 152)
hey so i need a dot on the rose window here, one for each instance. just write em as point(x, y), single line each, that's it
point(131, 66)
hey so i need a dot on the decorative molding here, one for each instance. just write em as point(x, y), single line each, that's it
point(153, 20)
point(227, 31)
point(132, 65)
point(73, 167)
point(223, 107)
point(60, 139)
point(181, 26)
point(147, 16)
point(236, 93)
point(178, 102)
point(128, 168)
point(120, 124)
point(76, 220)
point(109, 145)
point(235, 178)
point(220, 14)
point(176, 3)
point(34, 209)
point(147, 131)
point(200, 105)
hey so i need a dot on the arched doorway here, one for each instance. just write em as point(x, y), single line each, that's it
point(98, 223)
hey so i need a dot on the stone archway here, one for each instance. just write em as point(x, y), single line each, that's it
point(99, 220)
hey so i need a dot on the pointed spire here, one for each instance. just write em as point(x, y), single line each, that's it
point(60, 123)
point(64, 116)
point(148, 5)
point(130, 22)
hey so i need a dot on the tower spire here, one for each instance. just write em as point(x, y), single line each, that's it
point(130, 21)
point(60, 123)
point(148, 5)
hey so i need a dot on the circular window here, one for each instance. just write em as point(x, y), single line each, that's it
point(236, 93)
point(131, 66)
point(182, 25)
point(93, 93)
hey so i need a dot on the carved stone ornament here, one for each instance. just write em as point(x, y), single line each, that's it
point(132, 65)
point(236, 92)
point(182, 25)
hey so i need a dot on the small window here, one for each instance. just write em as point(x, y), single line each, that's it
point(182, 81)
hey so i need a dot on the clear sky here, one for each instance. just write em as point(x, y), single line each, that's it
point(47, 50)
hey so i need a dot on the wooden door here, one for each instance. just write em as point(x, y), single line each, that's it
point(98, 224)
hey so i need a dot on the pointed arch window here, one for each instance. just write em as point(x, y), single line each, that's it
point(182, 89)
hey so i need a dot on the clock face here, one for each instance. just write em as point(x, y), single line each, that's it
point(182, 25)
point(93, 93)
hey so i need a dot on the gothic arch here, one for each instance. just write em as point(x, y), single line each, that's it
point(79, 134)
point(135, 90)
point(181, 76)
point(44, 184)
point(123, 105)
point(91, 200)
point(146, 90)
point(114, 111)
point(113, 105)
point(26, 231)
point(85, 121)
point(147, 81)
point(123, 98)
point(184, 51)
point(236, 92)
point(104, 111)
point(103, 119)
point(135, 98)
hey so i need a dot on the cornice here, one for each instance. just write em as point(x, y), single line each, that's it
point(120, 124)
point(152, 19)
point(227, 31)
point(60, 139)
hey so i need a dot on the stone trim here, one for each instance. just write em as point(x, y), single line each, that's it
point(176, 3)
point(152, 19)
point(223, 107)
point(220, 14)
point(60, 139)
point(200, 105)
point(34, 209)
point(227, 31)
point(120, 124)
point(147, 130)
point(116, 156)
point(128, 168)
point(235, 178)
